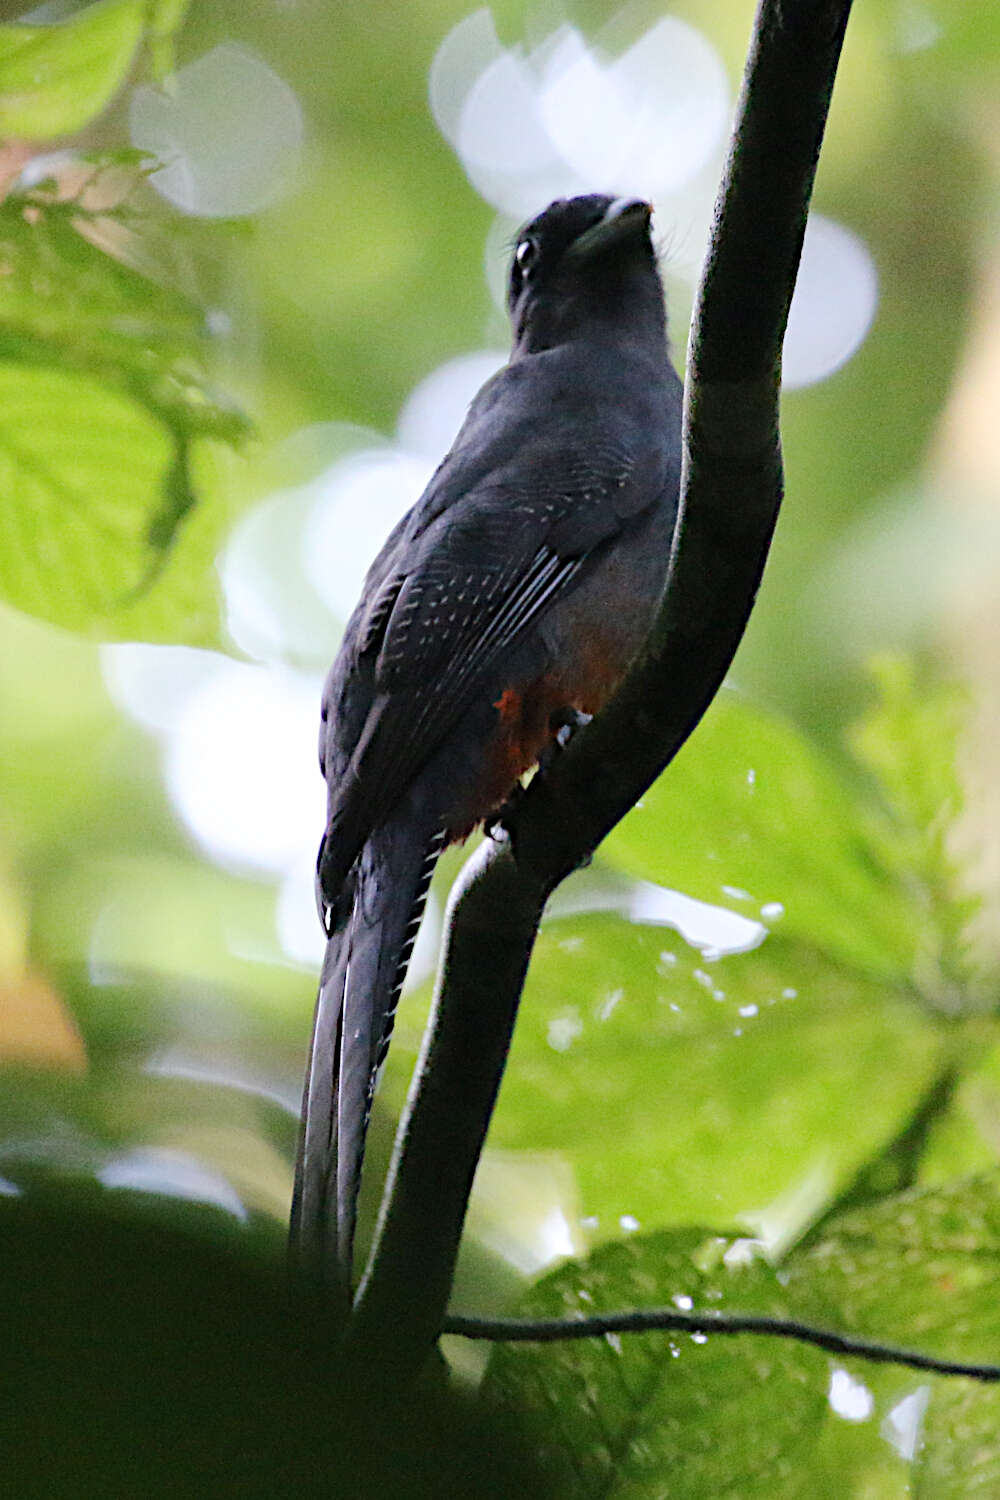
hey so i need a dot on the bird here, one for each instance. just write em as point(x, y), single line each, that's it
point(503, 609)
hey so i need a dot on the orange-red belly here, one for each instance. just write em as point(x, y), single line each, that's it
point(524, 725)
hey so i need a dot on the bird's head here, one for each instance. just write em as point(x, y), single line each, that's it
point(582, 264)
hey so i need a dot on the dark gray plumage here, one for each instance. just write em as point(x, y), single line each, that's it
point(513, 595)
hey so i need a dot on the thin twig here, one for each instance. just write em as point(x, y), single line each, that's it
point(660, 1319)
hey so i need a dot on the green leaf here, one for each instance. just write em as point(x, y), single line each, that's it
point(908, 739)
point(918, 1269)
point(645, 1415)
point(909, 742)
point(53, 79)
point(178, 598)
point(966, 1138)
point(71, 297)
point(63, 285)
point(750, 817)
point(82, 469)
point(86, 472)
point(649, 1415)
point(751, 1088)
point(959, 1457)
point(87, 340)
point(165, 21)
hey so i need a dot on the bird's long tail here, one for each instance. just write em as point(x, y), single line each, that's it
point(367, 956)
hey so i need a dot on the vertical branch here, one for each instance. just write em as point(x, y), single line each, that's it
point(730, 495)
point(492, 920)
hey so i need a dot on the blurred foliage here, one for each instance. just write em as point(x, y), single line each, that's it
point(612, 1416)
point(827, 1092)
point(822, 1041)
point(55, 79)
point(105, 395)
point(154, 1358)
point(615, 1415)
point(751, 816)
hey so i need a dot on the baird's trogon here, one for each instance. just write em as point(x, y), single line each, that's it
point(506, 604)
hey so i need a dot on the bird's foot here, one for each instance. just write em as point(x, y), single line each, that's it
point(495, 826)
point(564, 725)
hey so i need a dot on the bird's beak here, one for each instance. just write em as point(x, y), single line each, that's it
point(623, 217)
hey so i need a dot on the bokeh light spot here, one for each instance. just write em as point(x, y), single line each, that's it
point(712, 929)
point(241, 766)
point(834, 303)
point(361, 499)
point(644, 123)
point(850, 1398)
point(229, 134)
point(173, 1174)
point(435, 409)
point(565, 118)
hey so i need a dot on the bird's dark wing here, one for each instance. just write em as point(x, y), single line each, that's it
point(450, 603)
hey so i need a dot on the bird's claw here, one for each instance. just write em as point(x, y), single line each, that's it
point(495, 826)
point(563, 725)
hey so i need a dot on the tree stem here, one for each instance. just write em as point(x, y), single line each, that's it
point(731, 491)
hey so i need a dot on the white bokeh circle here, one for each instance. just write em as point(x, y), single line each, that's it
point(241, 766)
point(435, 409)
point(564, 118)
point(643, 123)
point(228, 133)
point(836, 296)
point(360, 499)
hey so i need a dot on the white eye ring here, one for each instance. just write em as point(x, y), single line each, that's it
point(525, 254)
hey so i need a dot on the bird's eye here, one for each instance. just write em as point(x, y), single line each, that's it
point(525, 256)
point(520, 269)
